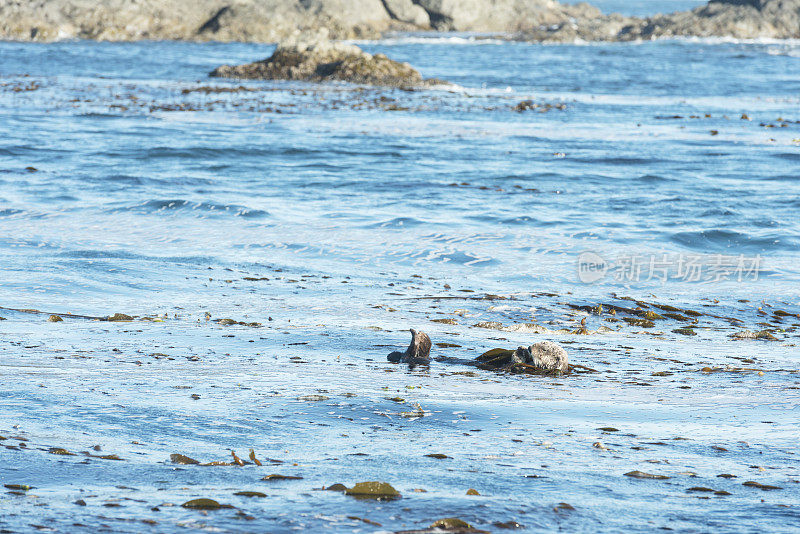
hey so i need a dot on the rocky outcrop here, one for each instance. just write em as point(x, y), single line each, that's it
point(408, 12)
point(270, 20)
point(315, 58)
point(273, 20)
point(501, 15)
point(743, 19)
point(198, 20)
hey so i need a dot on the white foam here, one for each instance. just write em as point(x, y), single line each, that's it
point(436, 39)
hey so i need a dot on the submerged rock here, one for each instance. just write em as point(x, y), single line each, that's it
point(315, 58)
point(418, 352)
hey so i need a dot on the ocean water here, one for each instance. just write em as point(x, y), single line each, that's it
point(644, 8)
point(336, 218)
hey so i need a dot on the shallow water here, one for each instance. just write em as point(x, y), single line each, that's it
point(339, 218)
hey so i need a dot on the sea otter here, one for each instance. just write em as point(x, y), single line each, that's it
point(418, 352)
point(545, 356)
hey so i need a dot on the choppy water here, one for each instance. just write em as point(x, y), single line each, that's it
point(349, 216)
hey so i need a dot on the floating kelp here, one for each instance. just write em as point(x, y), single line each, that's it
point(253, 458)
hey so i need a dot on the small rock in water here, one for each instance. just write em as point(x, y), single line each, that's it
point(181, 459)
point(647, 476)
point(418, 352)
point(314, 57)
point(452, 524)
point(250, 494)
point(204, 504)
point(281, 477)
point(373, 490)
point(760, 486)
point(119, 317)
point(60, 451)
point(54, 319)
point(747, 334)
point(472, 491)
point(507, 525)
